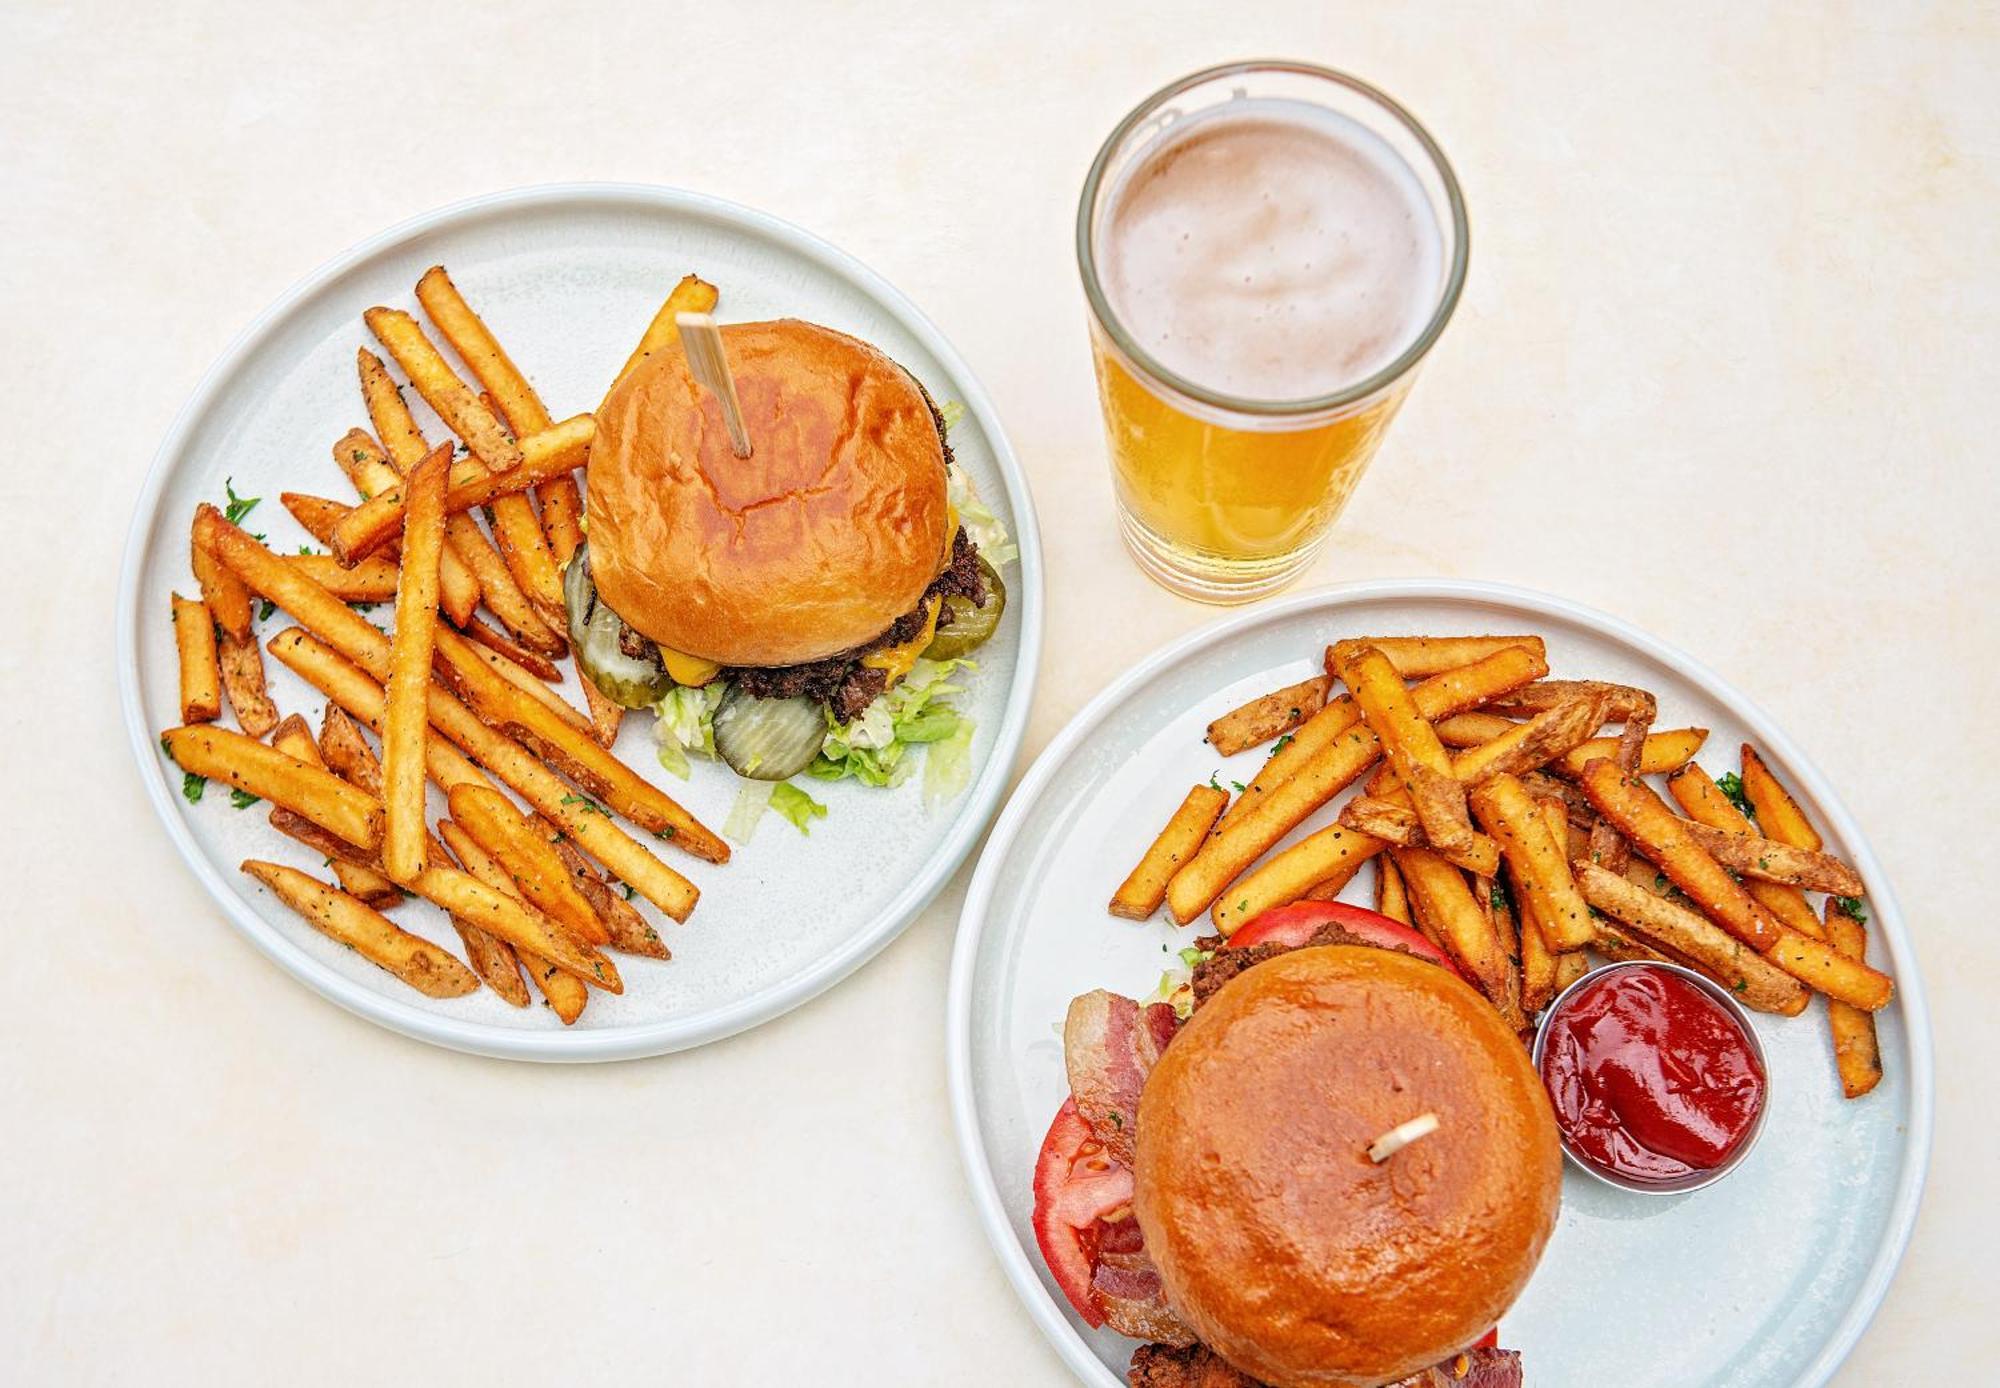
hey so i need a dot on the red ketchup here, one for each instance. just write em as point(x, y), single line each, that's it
point(1651, 1078)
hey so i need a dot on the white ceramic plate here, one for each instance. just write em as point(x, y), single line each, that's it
point(568, 276)
point(1765, 1279)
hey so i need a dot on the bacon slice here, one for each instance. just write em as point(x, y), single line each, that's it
point(1127, 1287)
point(1198, 1366)
point(1109, 1045)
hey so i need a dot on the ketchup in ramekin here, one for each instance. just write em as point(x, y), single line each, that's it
point(1657, 1079)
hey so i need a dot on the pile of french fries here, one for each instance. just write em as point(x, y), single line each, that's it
point(1510, 825)
point(455, 701)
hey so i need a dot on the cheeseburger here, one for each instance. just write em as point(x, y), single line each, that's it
point(1210, 1187)
point(806, 579)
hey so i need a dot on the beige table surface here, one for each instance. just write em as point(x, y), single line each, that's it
point(1733, 279)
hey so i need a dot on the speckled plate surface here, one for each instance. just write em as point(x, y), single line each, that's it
point(568, 276)
point(1767, 1278)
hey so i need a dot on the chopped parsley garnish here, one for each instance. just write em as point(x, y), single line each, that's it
point(239, 506)
point(627, 888)
point(265, 609)
point(1498, 897)
point(192, 786)
point(243, 799)
point(1238, 785)
point(590, 806)
point(1731, 786)
point(1281, 744)
point(1214, 784)
point(1850, 907)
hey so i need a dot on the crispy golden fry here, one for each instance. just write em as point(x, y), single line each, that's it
point(1392, 898)
point(1540, 962)
point(347, 752)
point(455, 402)
point(1392, 821)
point(1571, 967)
point(242, 666)
point(521, 925)
point(1856, 1052)
point(1507, 936)
point(1662, 838)
point(247, 764)
point(1409, 745)
point(1234, 846)
point(201, 679)
point(481, 352)
point(1663, 752)
point(534, 662)
point(406, 721)
point(1470, 729)
point(1321, 862)
point(372, 580)
point(1442, 899)
point(645, 804)
point(1769, 861)
point(525, 681)
point(605, 716)
point(376, 938)
point(1754, 980)
point(1420, 657)
point(1529, 746)
point(1536, 859)
point(1777, 812)
point(565, 992)
point(691, 295)
point(1607, 845)
point(1441, 695)
point(1703, 801)
point(368, 468)
point(319, 514)
point(353, 639)
point(552, 453)
point(1145, 887)
point(228, 600)
point(1625, 701)
point(1266, 716)
point(539, 876)
point(389, 415)
point(629, 930)
point(294, 738)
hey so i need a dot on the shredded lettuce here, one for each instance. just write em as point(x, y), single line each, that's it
point(752, 799)
point(686, 724)
point(874, 747)
point(794, 804)
point(952, 412)
point(986, 529)
point(1176, 986)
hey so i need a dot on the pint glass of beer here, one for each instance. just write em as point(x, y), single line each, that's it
point(1269, 249)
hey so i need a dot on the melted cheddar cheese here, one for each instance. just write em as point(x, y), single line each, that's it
point(897, 660)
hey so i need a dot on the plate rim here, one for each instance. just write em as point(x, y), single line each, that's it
point(1051, 1319)
point(673, 1033)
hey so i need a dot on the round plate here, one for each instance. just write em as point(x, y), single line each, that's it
point(567, 277)
point(1767, 1278)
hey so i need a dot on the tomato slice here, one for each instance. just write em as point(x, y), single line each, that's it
point(1297, 923)
point(1490, 1340)
point(1076, 1183)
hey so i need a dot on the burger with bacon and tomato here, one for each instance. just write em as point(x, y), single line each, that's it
point(1208, 1187)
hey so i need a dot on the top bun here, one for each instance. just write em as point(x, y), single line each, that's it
point(815, 544)
point(1278, 1241)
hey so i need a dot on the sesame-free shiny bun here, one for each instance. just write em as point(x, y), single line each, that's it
point(828, 533)
point(1278, 1241)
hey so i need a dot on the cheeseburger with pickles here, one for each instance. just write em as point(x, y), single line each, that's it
point(798, 610)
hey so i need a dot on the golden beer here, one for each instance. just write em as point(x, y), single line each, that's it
point(1268, 250)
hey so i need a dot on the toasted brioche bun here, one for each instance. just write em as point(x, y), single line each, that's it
point(830, 531)
point(1278, 1241)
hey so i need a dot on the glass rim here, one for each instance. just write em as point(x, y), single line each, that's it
point(1347, 395)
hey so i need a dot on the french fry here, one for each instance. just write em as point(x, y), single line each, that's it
point(1145, 887)
point(406, 720)
point(1766, 860)
point(1756, 982)
point(1571, 967)
point(1529, 746)
point(1856, 1052)
point(352, 639)
point(1392, 898)
point(1663, 752)
point(1777, 811)
point(640, 801)
point(1233, 847)
point(1409, 744)
point(319, 514)
point(1662, 838)
point(1453, 691)
point(1326, 861)
point(1463, 730)
point(455, 402)
point(525, 681)
point(1607, 845)
point(1441, 898)
point(1703, 801)
point(201, 679)
point(294, 738)
point(565, 992)
point(1539, 959)
point(605, 716)
point(1420, 657)
point(221, 754)
point(534, 662)
point(521, 925)
point(1507, 930)
point(539, 876)
point(1391, 821)
point(1625, 701)
point(557, 450)
point(228, 600)
point(242, 666)
point(368, 468)
point(1268, 715)
point(372, 580)
point(629, 930)
point(691, 295)
point(1536, 859)
point(376, 938)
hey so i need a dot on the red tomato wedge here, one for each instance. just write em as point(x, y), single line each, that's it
point(1296, 924)
point(1076, 1184)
